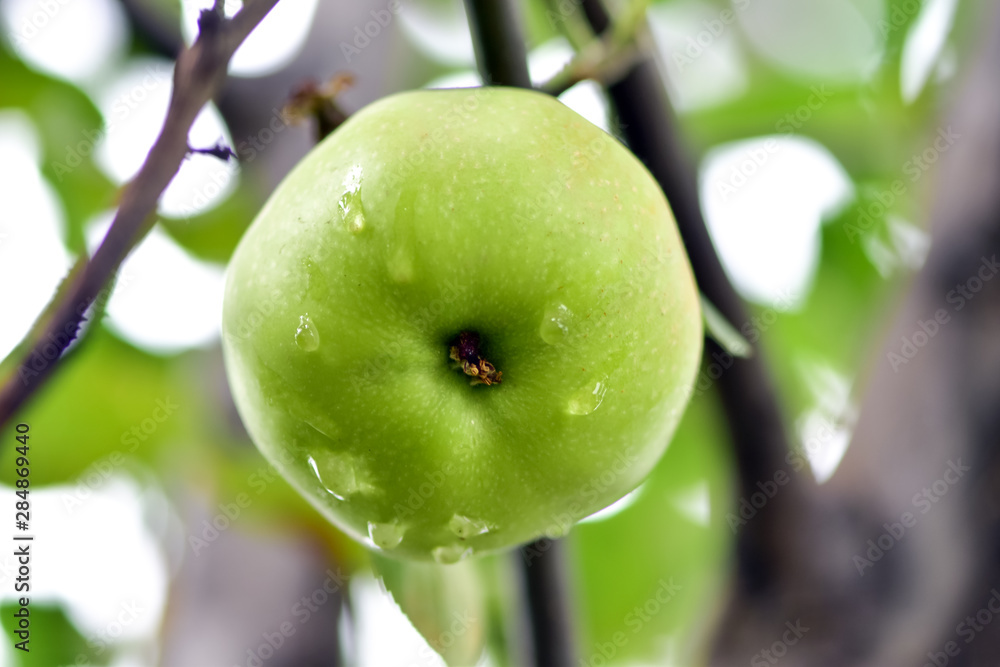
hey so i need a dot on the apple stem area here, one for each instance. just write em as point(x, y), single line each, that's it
point(465, 350)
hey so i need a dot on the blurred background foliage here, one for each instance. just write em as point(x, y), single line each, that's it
point(800, 116)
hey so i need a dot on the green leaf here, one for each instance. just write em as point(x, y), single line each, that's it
point(69, 127)
point(446, 604)
point(213, 235)
point(54, 640)
point(722, 332)
point(649, 578)
point(106, 400)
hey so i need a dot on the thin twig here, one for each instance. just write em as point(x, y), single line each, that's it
point(219, 150)
point(198, 74)
point(600, 60)
point(499, 41)
point(311, 100)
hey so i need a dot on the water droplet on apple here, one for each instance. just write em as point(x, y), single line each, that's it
point(315, 468)
point(351, 208)
point(314, 277)
point(401, 245)
point(451, 553)
point(555, 324)
point(588, 399)
point(465, 527)
point(306, 336)
point(341, 474)
point(400, 266)
point(386, 535)
point(356, 224)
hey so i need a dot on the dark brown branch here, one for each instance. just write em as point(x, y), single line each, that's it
point(839, 559)
point(198, 74)
point(931, 420)
point(551, 615)
point(754, 416)
point(502, 58)
point(499, 41)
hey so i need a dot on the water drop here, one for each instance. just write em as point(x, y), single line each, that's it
point(315, 281)
point(341, 474)
point(315, 469)
point(400, 263)
point(555, 324)
point(351, 208)
point(356, 223)
point(451, 553)
point(465, 527)
point(588, 399)
point(400, 266)
point(386, 535)
point(306, 336)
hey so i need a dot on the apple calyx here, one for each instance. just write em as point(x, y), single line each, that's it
point(465, 351)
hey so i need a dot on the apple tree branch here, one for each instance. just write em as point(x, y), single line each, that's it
point(198, 74)
point(755, 422)
point(498, 38)
point(502, 58)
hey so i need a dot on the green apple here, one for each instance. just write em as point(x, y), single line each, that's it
point(464, 321)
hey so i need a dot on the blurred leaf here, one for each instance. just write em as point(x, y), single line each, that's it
point(540, 24)
point(650, 577)
point(231, 471)
point(840, 322)
point(213, 235)
point(54, 640)
point(501, 577)
point(866, 128)
point(445, 603)
point(69, 127)
point(107, 399)
point(11, 364)
point(722, 331)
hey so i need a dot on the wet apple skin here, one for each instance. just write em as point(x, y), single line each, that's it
point(498, 211)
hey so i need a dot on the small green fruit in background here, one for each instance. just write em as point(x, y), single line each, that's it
point(464, 321)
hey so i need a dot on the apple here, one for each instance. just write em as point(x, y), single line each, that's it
point(465, 320)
